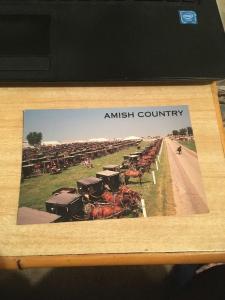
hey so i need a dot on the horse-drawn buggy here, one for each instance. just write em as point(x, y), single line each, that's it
point(115, 168)
point(27, 215)
point(27, 170)
point(139, 153)
point(90, 186)
point(110, 179)
point(65, 202)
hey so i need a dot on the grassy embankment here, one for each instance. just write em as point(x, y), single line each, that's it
point(189, 144)
point(159, 197)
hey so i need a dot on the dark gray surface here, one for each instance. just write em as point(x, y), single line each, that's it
point(117, 283)
point(111, 41)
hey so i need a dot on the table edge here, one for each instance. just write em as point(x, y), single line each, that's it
point(23, 262)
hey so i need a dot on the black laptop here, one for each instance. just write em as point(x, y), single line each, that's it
point(89, 41)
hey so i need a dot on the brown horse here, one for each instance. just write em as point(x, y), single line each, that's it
point(134, 174)
point(125, 197)
point(100, 211)
point(144, 166)
point(106, 212)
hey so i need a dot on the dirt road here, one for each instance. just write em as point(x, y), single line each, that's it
point(188, 190)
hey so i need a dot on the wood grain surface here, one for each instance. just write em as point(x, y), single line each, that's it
point(219, 115)
point(153, 237)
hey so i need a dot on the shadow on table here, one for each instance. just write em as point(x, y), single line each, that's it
point(131, 283)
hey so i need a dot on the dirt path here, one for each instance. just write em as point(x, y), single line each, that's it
point(188, 190)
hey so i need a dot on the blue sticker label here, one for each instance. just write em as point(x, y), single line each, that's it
point(188, 17)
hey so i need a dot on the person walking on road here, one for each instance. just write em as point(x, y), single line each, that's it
point(179, 150)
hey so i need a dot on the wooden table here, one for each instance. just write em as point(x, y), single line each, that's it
point(154, 240)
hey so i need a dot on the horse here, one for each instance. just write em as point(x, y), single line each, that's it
point(135, 174)
point(125, 197)
point(144, 166)
point(100, 211)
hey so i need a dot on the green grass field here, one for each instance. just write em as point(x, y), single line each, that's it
point(159, 197)
point(35, 191)
point(189, 144)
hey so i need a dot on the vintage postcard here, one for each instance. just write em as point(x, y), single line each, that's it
point(92, 164)
point(221, 95)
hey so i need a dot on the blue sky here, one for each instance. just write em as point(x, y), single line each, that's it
point(73, 124)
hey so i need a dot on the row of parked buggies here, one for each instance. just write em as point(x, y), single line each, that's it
point(105, 196)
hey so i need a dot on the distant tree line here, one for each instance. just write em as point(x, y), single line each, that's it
point(34, 138)
point(183, 131)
